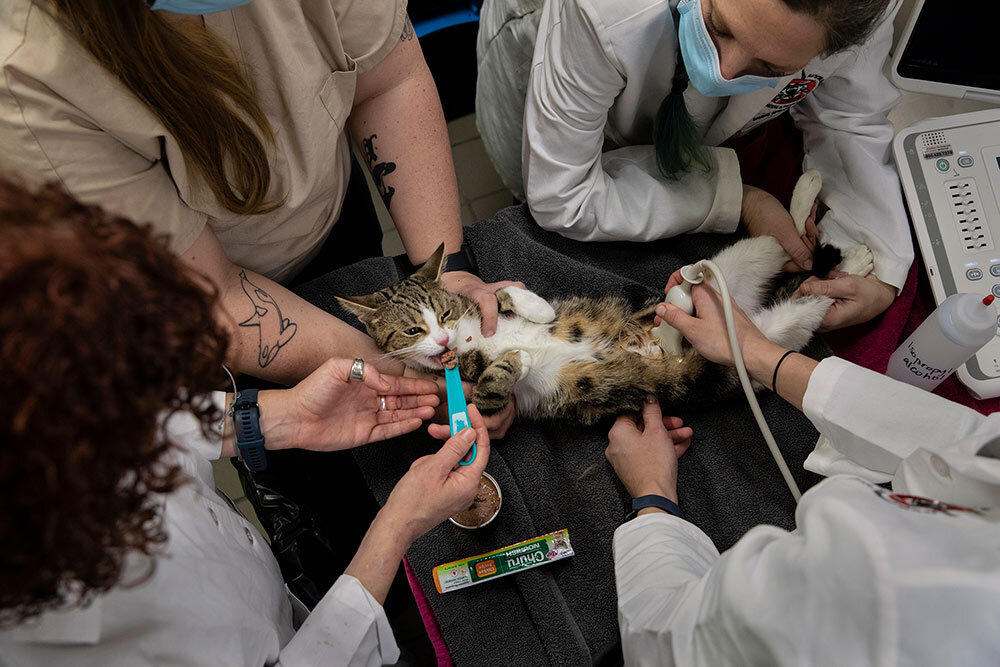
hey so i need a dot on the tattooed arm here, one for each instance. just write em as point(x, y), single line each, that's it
point(274, 334)
point(398, 124)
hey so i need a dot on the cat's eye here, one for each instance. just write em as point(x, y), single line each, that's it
point(445, 315)
point(413, 331)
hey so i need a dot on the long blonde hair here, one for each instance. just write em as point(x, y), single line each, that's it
point(192, 82)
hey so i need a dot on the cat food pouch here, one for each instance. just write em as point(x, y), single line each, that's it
point(508, 560)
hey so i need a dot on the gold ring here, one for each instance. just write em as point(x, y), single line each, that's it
point(358, 370)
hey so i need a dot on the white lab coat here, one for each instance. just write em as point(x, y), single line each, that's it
point(216, 599)
point(869, 576)
point(599, 72)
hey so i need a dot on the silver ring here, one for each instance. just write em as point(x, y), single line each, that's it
point(382, 402)
point(358, 370)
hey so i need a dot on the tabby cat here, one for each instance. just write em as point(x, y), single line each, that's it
point(585, 358)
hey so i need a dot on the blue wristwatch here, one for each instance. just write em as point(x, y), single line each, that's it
point(246, 423)
point(653, 500)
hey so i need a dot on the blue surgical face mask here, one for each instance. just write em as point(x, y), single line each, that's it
point(702, 59)
point(197, 6)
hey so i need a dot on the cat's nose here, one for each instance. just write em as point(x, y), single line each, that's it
point(441, 338)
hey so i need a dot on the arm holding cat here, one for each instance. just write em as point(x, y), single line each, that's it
point(397, 120)
point(836, 395)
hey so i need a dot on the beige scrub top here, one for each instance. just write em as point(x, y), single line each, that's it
point(65, 119)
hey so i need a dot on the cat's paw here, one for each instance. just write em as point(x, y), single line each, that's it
point(525, 303)
point(858, 261)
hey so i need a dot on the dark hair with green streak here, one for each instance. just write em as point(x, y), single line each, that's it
point(679, 149)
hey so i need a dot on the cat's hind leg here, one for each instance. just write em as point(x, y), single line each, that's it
point(525, 303)
point(493, 390)
point(792, 323)
point(748, 267)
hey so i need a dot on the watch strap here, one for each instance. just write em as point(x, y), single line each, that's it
point(246, 425)
point(660, 502)
point(461, 261)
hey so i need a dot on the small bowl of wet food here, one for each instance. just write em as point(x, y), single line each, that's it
point(484, 507)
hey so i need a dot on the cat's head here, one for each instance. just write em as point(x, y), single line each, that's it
point(414, 320)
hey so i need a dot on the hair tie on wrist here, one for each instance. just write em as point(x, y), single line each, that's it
point(774, 378)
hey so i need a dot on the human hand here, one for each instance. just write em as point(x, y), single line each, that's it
point(327, 411)
point(857, 299)
point(762, 214)
point(484, 294)
point(496, 424)
point(706, 330)
point(644, 455)
point(436, 486)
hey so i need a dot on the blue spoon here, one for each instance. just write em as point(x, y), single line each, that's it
point(458, 410)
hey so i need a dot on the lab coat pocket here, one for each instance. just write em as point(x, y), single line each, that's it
point(337, 94)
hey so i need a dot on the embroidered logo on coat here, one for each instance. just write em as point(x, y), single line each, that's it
point(794, 92)
point(919, 503)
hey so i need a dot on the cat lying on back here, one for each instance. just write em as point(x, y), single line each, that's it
point(585, 358)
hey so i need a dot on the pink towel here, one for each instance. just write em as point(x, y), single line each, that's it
point(427, 616)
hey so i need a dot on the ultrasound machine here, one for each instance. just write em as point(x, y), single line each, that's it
point(950, 166)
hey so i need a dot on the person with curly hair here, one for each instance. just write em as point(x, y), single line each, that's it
point(117, 549)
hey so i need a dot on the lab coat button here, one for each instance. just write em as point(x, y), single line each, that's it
point(940, 466)
point(215, 518)
point(249, 534)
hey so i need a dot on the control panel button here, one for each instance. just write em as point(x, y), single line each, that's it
point(995, 270)
point(996, 290)
point(966, 161)
point(974, 274)
point(942, 165)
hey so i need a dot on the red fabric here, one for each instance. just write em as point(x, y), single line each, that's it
point(871, 344)
point(427, 616)
point(771, 159)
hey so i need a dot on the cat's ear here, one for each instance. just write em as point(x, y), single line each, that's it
point(362, 306)
point(433, 267)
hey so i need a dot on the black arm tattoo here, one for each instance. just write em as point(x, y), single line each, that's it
point(408, 33)
point(273, 330)
point(379, 170)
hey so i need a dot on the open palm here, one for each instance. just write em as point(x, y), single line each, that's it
point(336, 413)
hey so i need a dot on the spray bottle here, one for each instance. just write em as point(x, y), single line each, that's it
point(955, 331)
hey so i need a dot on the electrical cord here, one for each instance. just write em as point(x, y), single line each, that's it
point(741, 371)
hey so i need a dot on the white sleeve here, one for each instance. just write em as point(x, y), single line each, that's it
point(348, 627)
point(659, 560)
point(184, 429)
point(573, 189)
point(848, 138)
point(762, 602)
point(840, 400)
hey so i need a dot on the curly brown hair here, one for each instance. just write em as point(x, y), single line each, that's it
point(102, 329)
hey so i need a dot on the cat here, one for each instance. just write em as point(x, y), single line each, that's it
point(587, 358)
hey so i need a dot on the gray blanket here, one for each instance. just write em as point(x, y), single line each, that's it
point(554, 475)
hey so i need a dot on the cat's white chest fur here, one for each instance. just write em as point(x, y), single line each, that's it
point(547, 355)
